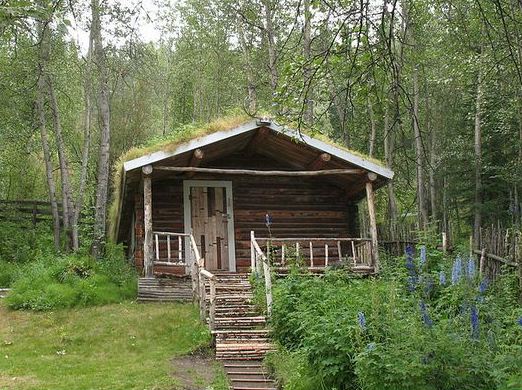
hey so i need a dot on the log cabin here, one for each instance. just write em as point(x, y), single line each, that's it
point(219, 195)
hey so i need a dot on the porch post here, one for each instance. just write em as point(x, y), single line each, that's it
point(147, 217)
point(370, 197)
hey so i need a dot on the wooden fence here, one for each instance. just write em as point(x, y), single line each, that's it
point(27, 210)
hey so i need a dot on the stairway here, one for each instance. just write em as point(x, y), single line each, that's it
point(241, 336)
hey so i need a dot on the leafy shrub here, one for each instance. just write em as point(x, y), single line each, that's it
point(428, 323)
point(8, 273)
point(74, 280)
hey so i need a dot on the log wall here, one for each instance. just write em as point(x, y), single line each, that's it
point(300, 207)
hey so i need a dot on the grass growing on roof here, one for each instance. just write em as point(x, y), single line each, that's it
point(122, 346)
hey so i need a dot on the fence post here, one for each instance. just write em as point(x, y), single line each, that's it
point(444, 243)
point(252, 252)
point(482, 261)
point(212, 314)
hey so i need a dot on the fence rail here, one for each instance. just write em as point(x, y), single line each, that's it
point(19, 210)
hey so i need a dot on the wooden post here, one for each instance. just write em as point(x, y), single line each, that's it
point(212, 314)
point(354, 254)
point(252, 252)
point(326, 255)
point(471, 246)
point(444, 243)
point(147, 217)
point(268, 286)
point(482, 261)
point(373, 221)
point(311, 255)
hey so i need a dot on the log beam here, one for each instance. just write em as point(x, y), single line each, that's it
point(319, 161)
point(256, 141)
point(147, 219)
point(197, 157)
point(252, 172)
point(370, 196)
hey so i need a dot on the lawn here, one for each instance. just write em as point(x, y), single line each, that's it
point(121, 346)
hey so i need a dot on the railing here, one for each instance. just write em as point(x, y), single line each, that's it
point(258, 254)
point(316, 253)
point(168, 248)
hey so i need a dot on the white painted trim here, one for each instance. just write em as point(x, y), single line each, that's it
point(250, 126)
point(187, 214)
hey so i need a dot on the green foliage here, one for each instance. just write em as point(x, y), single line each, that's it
point(74, 280)
point(396, 332)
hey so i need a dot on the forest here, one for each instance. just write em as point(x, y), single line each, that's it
point(431, 89)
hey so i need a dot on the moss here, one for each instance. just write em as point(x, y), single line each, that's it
point(184, 134)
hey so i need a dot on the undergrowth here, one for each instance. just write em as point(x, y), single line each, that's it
point(426, 323)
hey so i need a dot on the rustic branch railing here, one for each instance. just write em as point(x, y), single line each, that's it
point(212, 298)
point(318, 253)
point(168, 248)
point(257, 254)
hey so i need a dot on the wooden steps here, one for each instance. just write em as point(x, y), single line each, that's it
point(176, 289)
point(242, 339)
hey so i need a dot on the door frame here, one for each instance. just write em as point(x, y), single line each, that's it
point(187, 214)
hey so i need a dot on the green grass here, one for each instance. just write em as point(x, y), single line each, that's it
point(120, 346)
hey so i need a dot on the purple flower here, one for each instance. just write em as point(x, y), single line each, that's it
point(519, 321)
point(474, 322)
point(425, 316)
point(361, 319)
point(410, 265)
point(412, 283)
point(442, 278)
point(428, 285)
point(422, 255)
point(371, 346)
point(483, 285)
point(471, 268)
point(456, 272)
point(268, 220)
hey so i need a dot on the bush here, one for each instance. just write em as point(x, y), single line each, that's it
point(8, 273)
point(429, 323)
point(74, 280)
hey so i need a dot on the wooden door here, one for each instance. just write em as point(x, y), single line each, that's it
point(209, 220)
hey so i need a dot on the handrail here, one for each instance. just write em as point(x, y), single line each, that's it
point(212, 311)
point(275, 239)
point(266, 272)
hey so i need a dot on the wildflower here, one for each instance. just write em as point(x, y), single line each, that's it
point(422, 255)
point(361, 319)
point(456, 271)
point(410, 265)
point(483, 285)
point(474, 322)
point(471, 268)
point(425, 316)
point(519, 321)
point(268, 220)
point(371, 346)
point(442, 278)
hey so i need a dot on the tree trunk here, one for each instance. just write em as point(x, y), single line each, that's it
point(270, 37)
point(478, 162)
point(43, 38)
point(373, 125)
point(433, 162)
point(388, 155)
point(251, 85)
point(419, 160)
point(85, 148)
point(67, 201)
point(100, 220)
point(307, 71)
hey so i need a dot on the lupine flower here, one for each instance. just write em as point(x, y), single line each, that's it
point(442, 278)
point(474, 322)
point(471, 268)
point(483, 285)
point(410, 265)
point(361, 319)
point(371, 346)
point(425, 316)
point(422, 255)
point(519, 321)
point(456, 272)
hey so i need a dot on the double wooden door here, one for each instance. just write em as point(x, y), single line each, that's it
point(210, 219)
